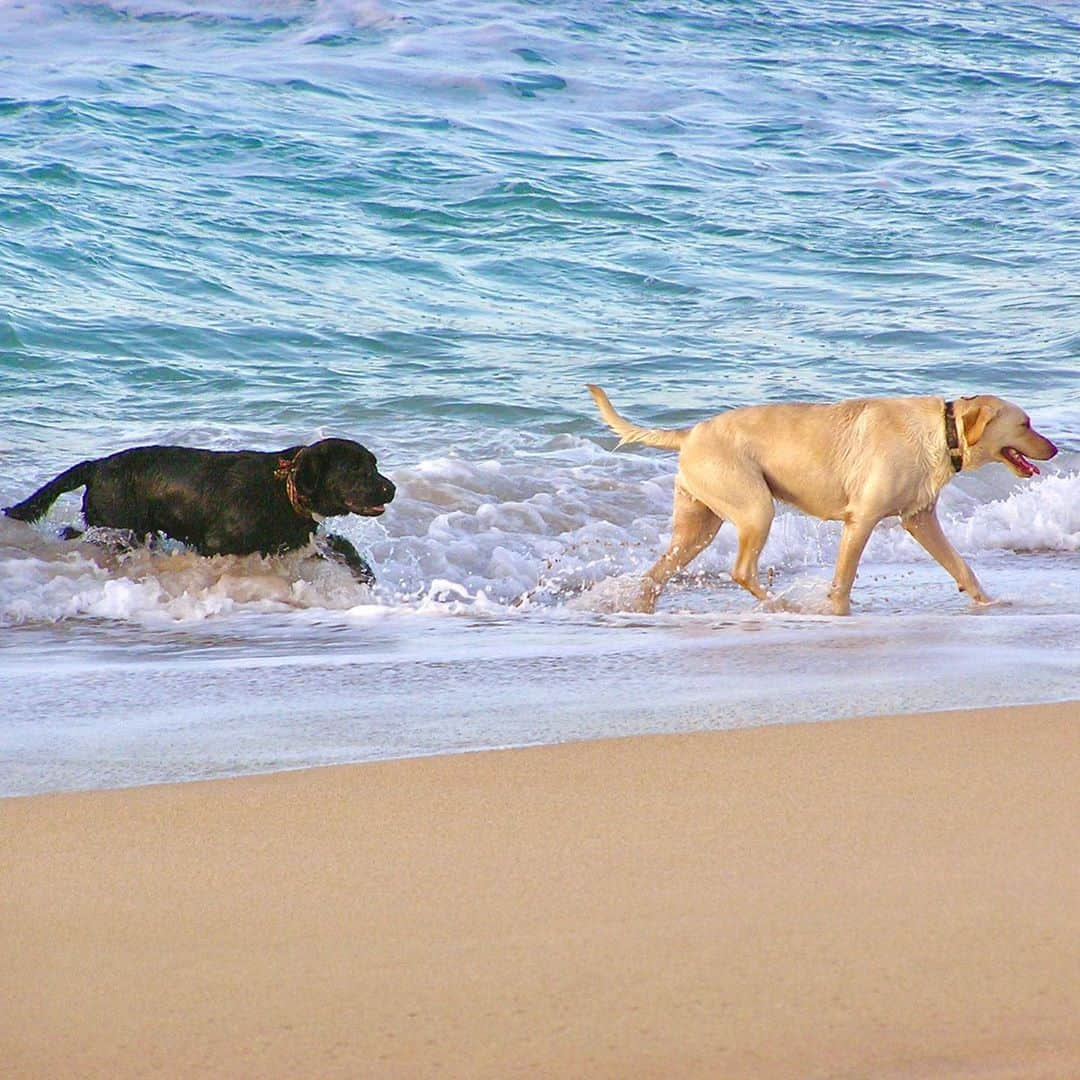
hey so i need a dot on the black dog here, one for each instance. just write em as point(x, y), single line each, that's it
point(226, 502)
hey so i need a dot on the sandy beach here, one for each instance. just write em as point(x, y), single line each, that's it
point(891, 897)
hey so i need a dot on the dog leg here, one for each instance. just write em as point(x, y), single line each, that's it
point(332, 546)
point(926, 529)
point(693, 526)
point(743, 498)
point(853, 540)
point(753, 532)
point(752, 517)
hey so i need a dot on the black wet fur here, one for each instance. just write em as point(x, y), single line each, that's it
point(332, 546)
point(224, 502)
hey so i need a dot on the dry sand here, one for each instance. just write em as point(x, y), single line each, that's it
point(893, 897)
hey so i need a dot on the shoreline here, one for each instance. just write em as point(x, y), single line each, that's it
point(103, 706)
point(894, 896)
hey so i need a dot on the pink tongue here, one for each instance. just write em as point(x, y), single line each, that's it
point(1020, 461)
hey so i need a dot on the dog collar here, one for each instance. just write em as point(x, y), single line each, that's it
point(952, 438)
point(286, 470)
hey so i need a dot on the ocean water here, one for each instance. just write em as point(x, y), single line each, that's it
point(426, 226)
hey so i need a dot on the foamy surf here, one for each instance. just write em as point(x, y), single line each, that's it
point(552, 523)
point(43, 579)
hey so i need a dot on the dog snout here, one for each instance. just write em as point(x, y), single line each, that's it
point(1047, 449)
point(387, 490)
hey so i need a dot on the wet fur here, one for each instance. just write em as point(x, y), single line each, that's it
point(224, 502)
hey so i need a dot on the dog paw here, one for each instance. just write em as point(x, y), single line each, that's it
point(839, 602)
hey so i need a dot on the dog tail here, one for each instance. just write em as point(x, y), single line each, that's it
point(30, 509)
point(665, 439)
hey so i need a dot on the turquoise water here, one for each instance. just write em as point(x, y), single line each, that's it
point(426, 226)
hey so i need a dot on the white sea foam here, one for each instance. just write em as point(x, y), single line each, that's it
point(544, 524)
point(46, 581)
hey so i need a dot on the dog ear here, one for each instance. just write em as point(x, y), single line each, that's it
point(974, 414)
point(308, 471)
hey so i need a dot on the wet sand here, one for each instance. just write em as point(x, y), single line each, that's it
point(891, 897)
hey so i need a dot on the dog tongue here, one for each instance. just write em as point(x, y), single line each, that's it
point(1021, 462)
